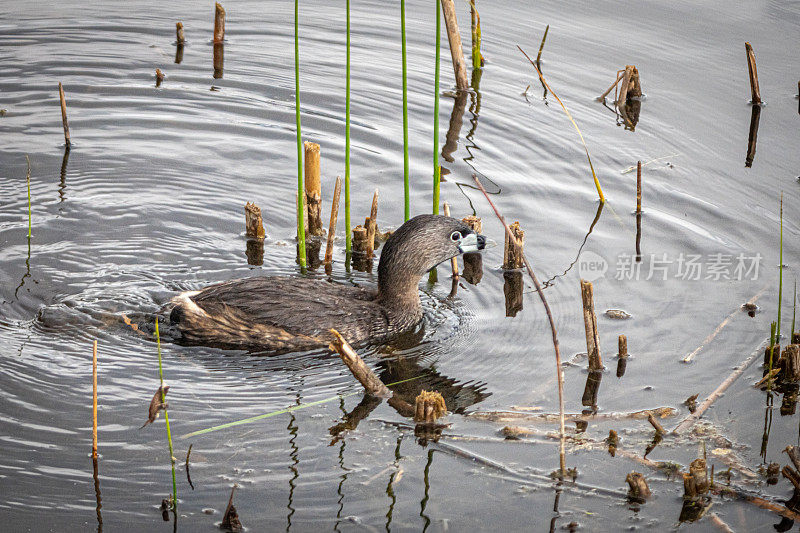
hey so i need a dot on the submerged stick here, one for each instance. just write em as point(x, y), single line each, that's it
point(64, 121)
point(337, 189)
point(541, 46)
point(94, 400)
point(559, 375)
point(590, 324)
point(755, 92)
point(591, 166)
point(454, 260)
point(313, 184)
point(219, 23)
point(371, 383)
point(690, 420)
point(454, 38)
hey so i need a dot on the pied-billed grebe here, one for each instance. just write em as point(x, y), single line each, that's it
point(282, 314)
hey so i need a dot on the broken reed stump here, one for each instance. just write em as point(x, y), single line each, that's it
point(360, 240)
point(623, 347)
point(638, 187)
point(590, 323)
point(592, 389)
point(752, 136)
point(454, 38)
point(179, 35)
point(372, 225)
point(755, 92)
point(371, 383)
point(772, 355)
point(219, 60)
point(513, 286)
point(253, 222)
point(429, 406)
point(219, 23)
point(230, 519)
point(313, 183)
point(473, 261)
point(337, 191)
point(790, 363)
point(512, 254)
point(159, 77)
point(638, 490)
point(454, 260)
point(613, 442)
point(695, 482)
point(630, 86)
point(64, 121)
point(94, 400)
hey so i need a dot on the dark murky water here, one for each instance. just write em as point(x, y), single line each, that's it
point(149, 201)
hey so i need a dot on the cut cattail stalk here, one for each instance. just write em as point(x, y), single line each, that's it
point(372, 225)
point(219, 23)
point(638, 186)
point(371, 383)
point(94, 400)
point(454, 37)
point(655, 423)
point(453, 261)
point(512, 255)
point(253, 222)
point(337, 190)
point(695, 483)
point(180, 37)
point(755, 92)
point(64, 121)
point(159, 77)
point(313, 185)
point(473, 261)
point(623, 347)
point(360, 241)
point(630, 86)
point(638, 491)
point(590, 323)
point(429, 407)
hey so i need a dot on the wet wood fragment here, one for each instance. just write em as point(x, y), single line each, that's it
point(516, 432)
point(590, 323)
point(337, 190)
point(655, 423)
point(372, 225)
point(790, 363)
point(691, 403)
point(371, 383)
point(695, 482)
point(313, 188)
point(623, 347)
point(613, 442)
point(630, 87)
point(180, 37)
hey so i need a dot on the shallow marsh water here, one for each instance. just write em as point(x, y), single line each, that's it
point(149, 202)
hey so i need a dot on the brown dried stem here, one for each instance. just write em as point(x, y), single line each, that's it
point(337, 190)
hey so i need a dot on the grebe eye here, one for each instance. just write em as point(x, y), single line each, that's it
point(455, 236)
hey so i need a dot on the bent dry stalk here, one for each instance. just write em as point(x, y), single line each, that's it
point(166, 422)
point(559, 375)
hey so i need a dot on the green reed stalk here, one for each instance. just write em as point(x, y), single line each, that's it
point(476, 36)
point(436, 168)
point(347, 233)
point(166, 421)
point(301, 215)
point(28, 179)
point(406, 187)
point(780, 277)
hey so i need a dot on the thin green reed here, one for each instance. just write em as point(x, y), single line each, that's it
point(301, 215)
point(28, 179)
point(166, 421)
point(436, 168)
point(406, 187)
point(348, 236)
point(780, 277)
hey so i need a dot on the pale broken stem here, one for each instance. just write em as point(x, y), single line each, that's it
point(559, 375)
point(337, 190)
point(516, 417)
point(690, 420)
point(569, 115)
point(371, 383)
point(691, 356)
